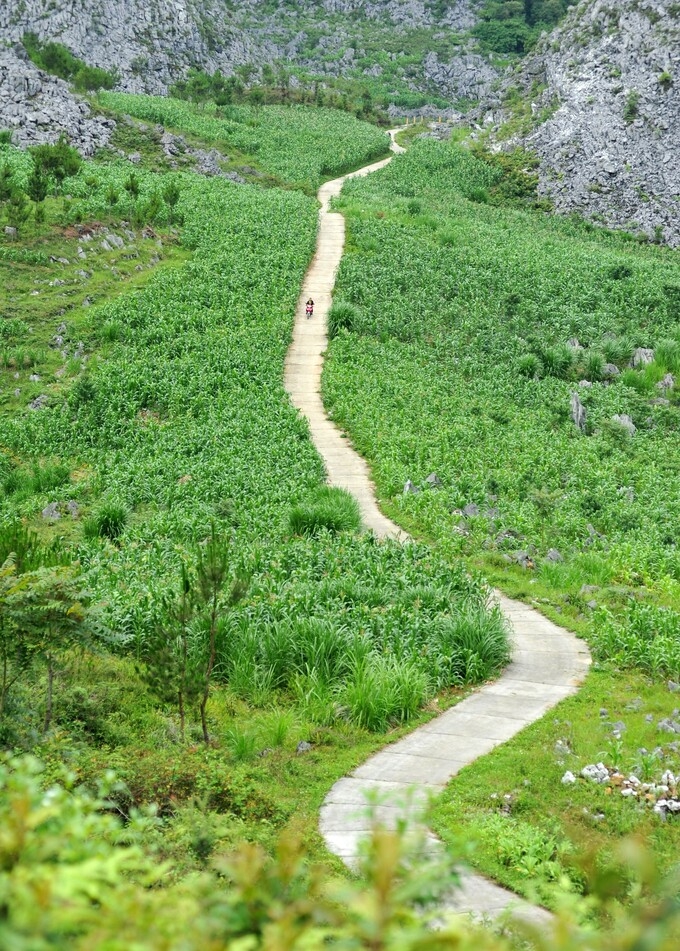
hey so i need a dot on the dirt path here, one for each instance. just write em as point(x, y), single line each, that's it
point(548, 663)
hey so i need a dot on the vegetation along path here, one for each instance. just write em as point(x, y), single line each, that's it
point(548, 662)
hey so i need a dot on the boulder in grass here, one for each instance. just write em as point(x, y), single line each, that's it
point(554, 555)
point(410, 488)
point(578, 412)
point(433, 481)
point(625, 422)
point(471, 510)
point(667, 383)
point(51, 511)
point(610, 370)
point(642, 357)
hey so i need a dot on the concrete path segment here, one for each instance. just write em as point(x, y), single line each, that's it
point(548, 663)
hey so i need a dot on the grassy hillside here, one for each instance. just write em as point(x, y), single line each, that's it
point(183, 600)
point(462, 328)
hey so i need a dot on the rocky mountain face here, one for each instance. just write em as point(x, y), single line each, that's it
point(604, 90)
point(39, 108)
point(151, 43)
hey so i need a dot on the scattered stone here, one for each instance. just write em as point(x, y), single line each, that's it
point(610, 370)
point(578, 412)
point(523, 559)
point(10, 232)
point(51, 511)
point(105, 246)
point(574, 344)
point(303, 747)
point(471, 510)
point(115, 241)
point(40, 402)
point(568, 778)
point(34, 378)
point(433, 481)
point(554, 555)
point(585, 384)
point(673, 687)
point(668, 725)
point(72, 509)
point(642, 357)
point(625, 422)
point(410, 488)
point(588, 589)
point(597, 772)
point(618, 728)
point(666, 384)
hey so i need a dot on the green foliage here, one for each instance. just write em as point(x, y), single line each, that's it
point(440, 375)
point(300, 145)
point(108, 521)
point(513, 26)
point(59, 161)
point(341, 316)
point(57, 59)
point(327, 510)
point(631, 107)
point(645, 637)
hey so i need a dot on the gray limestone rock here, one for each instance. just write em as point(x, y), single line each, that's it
point(51, 511)
point(625, 422)
point(642, 357)
point(578, 412)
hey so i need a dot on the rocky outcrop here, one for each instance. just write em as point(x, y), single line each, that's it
point(468, 76)
point(37, 108)
point(605, 98)
point(152, 43)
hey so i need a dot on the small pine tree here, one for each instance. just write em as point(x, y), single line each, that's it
point(37, 184)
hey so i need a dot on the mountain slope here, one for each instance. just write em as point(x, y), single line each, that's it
point(152, 43)
point(599, 102)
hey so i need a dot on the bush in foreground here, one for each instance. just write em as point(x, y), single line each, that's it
point(70, 880)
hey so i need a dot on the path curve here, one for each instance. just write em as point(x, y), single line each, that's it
point(548, 663)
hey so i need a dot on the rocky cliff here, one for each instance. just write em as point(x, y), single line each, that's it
point(39, 108)
point(151, 43)
point(604, 94)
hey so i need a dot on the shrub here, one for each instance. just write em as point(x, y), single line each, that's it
point(529, 365)
point(631, 108)
point(558, 361)
point(108, 521)
point(327, 509)
point(594, 365)
point(341, 316)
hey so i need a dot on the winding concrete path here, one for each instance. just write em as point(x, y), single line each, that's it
point(548, 663)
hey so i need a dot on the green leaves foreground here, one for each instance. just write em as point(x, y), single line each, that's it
point(70, 879)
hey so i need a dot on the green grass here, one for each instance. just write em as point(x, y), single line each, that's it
point(449, 305)
point(328, 509)
point(517, 821)
point(300, 145)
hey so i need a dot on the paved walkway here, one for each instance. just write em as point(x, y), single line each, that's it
point(548, 663)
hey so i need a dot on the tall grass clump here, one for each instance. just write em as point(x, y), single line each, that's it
point(108, 521)
point(384, 691)
point(326, 509)
point(646, 638)
point(341, 316)
point(558, 361)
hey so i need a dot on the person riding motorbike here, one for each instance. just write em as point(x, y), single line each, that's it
point(309, 307)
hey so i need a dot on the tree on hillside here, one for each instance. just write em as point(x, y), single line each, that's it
point(5, 182)
point(217, 590)
point(37, 184)
point(42, 613)
point(60, 160)
point(169, 665)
